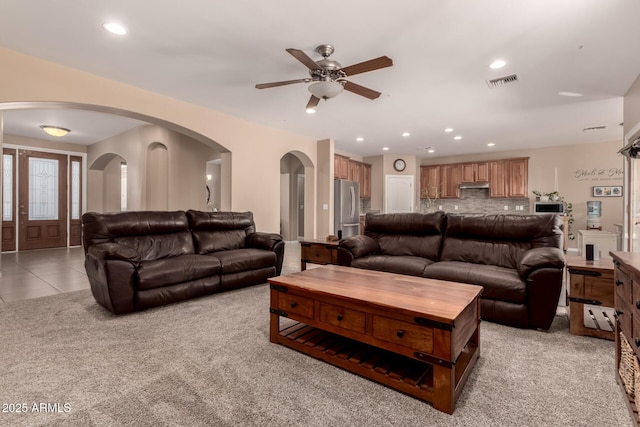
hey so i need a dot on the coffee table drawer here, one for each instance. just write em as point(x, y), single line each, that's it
point(342, 317)
point(295, 304)
point(406, 334)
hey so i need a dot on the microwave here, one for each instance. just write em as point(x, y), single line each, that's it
point(548, 208)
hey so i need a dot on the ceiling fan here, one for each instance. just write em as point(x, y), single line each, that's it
point(328, 76)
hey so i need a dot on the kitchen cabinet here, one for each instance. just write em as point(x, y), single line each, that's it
point(429, 182)
point(475, 172)
point(450, 176)
point(355, 172)
point(340, 167)
point(508, 178)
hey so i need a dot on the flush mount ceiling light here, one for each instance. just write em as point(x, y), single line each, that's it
point(325, 89)
point(55, 130)
point(115, 28)
point(499, 63)
point(570, 94)
point(431, 150)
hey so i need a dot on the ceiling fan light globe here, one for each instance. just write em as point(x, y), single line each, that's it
point(325, 90)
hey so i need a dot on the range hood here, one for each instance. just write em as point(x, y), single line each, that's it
point(474, 185)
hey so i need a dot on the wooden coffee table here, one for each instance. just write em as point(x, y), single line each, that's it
point(419, 336)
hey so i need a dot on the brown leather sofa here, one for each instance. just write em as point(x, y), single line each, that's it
point(138, 260)
point(517, 259)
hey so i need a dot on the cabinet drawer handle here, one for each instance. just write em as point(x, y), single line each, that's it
point(400, 333)
point(637, 341)
point(638, 304)
point(294, 304)
point(619, 282)
point(619, 312)
point(339, 317)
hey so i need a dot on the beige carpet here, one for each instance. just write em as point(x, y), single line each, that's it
point(209, 362)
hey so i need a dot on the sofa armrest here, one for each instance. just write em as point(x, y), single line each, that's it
point(112, 251)
point(356, 247)
point(270, 242)
point(537, 258)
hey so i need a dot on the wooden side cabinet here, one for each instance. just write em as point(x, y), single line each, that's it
point(318, 252)
point(591, 283)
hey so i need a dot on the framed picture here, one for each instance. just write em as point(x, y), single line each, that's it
point(607, 191)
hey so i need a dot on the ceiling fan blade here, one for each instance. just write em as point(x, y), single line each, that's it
point(304, 58)
point(283, 83)
point(361, 90)
point(313, 101)
point(370, 65)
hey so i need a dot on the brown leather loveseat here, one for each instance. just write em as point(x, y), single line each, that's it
point(138, 260)
point(517, 259)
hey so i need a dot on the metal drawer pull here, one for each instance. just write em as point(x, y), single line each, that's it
point(619, 312)
point(400, 333)
point(638, 304)
point(637, 341)
point(293, 304)
point(619, 282)
point(339, 317)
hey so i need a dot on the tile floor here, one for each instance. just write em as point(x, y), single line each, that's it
point(40, 273)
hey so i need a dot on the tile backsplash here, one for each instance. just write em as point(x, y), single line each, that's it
point(477, 200)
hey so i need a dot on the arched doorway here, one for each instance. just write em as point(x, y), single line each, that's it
point(297, 183)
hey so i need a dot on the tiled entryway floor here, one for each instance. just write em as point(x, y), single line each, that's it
point(40, 273)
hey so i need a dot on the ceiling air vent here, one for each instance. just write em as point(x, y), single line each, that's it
point(593, 128)
point(501, 81)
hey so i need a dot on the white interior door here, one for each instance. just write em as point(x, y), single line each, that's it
point(398, 193)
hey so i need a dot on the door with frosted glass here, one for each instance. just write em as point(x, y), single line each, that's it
point(42, 202)
point(75, 201)
point(8, 199)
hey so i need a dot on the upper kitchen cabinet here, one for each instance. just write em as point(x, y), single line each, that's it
point(450, 178)
point(365, 184)
point(475, 172)
point(355, 172)
point(340, 167)
point(429, 182)
point(509, 178)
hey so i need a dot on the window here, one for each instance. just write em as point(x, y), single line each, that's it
point(123, 186)
point(7, 187)
point(43, 189)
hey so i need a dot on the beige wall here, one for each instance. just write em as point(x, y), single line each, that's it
point(632, 107)
point(580, 168)
point(175, 181)
point(44, 144)
point(254, 148)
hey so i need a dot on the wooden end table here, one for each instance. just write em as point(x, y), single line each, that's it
point(590, 282)
point(318, 251)
point(416, 335)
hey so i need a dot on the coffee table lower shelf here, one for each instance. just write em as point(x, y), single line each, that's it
point(404, 374)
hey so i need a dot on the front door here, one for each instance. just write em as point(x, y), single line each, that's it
point(42, 200)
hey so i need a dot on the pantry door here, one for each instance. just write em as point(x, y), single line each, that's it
point(42, 200)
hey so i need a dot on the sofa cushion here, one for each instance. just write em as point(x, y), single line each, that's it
point(411, 265)
point(159, 246)
point(407, 234)
point(498, 239)
point(236, 260)
point(178, 269)
point(220, 231)
point(499, 283)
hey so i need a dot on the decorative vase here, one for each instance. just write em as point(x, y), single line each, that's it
point(544, 198)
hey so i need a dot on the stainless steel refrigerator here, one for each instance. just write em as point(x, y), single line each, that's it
point(346, 220)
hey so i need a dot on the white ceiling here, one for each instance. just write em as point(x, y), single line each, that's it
point(213, 53)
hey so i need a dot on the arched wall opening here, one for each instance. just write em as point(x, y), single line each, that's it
point(297, 202)
point(105, 179)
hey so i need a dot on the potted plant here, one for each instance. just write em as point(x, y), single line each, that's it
point(554, 195)
point(538, 194)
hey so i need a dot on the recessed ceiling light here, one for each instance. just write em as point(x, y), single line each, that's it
point(457, 137)
point(310, 110)
point(431, 150)
point(359, 139)
point(570, 94)
point(448, 130)
point(385, 148)
point(115, 28)
point(406, 134)
point(491, 144)
point(499, 63)
point(55, 130)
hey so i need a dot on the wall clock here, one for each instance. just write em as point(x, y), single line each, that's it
point(399, 165)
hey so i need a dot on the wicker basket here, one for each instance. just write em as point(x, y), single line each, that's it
point(628, 363)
